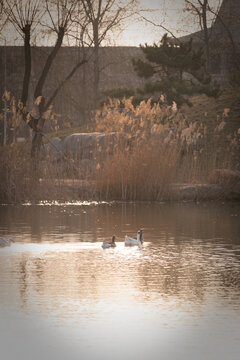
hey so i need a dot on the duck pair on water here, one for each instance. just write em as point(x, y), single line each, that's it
point(138, 241)
point(7, 242)
point(106, 244)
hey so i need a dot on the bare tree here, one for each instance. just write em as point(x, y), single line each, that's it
point(60, 17)
point(204, 10)
point(24, 15)
point(201, 9)
point(162, 27)
point(3, 17)
point(104, 16)
point(60, 14)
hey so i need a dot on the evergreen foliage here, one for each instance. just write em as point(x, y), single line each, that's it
point(165, 66)
point(170, 59)
point(166, 63)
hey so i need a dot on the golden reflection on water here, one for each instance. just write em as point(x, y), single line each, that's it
point(84, 271)
point(185, 277)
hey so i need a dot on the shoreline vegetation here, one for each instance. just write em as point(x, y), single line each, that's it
point(155, 153)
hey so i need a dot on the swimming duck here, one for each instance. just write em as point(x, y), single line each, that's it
point(4, 242)
point(134, 241)
point(108, 244)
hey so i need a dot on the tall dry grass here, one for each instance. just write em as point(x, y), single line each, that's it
point(13, 174)
point(20, 179)
point(156, 148)
point(144, 173)
point(19, 183)
point(165, 148)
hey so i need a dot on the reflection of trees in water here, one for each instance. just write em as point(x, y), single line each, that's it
point(230, 280)
point(30, 273)
point(172, 273)
point(23, 284)
point(189, 272)
point(55, 280)
point(43, 223)
point(182, 272)
point(201, 221)
point(188, 255)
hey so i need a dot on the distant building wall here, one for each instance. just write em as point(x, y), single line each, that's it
point(76, 97)
point(224, 38)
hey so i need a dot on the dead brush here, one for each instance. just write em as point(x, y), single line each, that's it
point(14, 174)
point(155, 147)
point(18, 180)
point(144, 169)
point(145, 173)
point(166, 148)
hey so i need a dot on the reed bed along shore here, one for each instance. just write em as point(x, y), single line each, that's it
point(166, 148)
point(160, 147)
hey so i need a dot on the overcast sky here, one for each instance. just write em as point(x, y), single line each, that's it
point(169, 13)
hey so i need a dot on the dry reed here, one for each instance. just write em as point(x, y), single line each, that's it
point(165, 149)
point(155, 147)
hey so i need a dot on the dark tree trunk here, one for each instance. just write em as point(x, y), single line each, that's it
point(96, 63)
point(37, 139)
point(51, 57)
point(39, 123)
point(36, 146)
point(28, 63)
point(206, 34)
point(35, 154)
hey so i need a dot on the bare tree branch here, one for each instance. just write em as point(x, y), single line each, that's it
point(63, 82)
point(104, 16)
point(161, 26)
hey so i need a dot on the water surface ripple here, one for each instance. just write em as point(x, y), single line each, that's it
point(63, 297)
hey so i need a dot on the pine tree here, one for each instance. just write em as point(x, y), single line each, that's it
point(166, 63)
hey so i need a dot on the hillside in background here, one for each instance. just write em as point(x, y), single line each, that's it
point(210, 110)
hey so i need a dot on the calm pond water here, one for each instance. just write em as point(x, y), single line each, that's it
point(63, 297)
